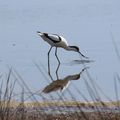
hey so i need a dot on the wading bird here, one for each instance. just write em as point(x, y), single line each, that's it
point(61, 84)
point(57, 41)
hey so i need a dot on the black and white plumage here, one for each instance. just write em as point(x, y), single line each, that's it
point(58, 41)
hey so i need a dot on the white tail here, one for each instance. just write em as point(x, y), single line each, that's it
point(39, 33)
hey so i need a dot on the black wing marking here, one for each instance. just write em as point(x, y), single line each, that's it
point(53, 37)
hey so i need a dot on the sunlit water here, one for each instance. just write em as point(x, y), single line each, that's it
point(87, 24)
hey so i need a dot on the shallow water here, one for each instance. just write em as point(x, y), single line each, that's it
point(83, 23)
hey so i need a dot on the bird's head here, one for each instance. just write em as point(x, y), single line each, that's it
point(76, 49)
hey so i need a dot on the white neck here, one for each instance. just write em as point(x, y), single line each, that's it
point(73, 77)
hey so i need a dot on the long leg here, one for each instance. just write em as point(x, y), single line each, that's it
point(49, 61)
point(58, 62)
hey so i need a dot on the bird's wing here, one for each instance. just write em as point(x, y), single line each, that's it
point(54, 37)
point(54, 86)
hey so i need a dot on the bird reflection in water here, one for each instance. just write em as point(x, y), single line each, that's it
point(62, 84)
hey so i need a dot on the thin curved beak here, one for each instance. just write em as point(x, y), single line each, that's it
point(82, 55)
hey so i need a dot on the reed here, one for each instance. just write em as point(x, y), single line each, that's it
point(52, 108)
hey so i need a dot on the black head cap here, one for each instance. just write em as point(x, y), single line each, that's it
point(76, 48)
